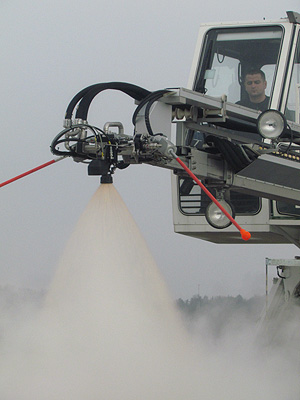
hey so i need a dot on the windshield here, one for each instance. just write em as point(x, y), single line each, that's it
point(230, 53)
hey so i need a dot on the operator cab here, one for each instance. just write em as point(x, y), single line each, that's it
point(227, 53)
point(223, 57)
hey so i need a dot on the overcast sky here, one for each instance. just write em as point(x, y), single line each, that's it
point(51, 50)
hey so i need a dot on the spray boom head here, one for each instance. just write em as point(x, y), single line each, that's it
point(88, 144)
point(104, 151)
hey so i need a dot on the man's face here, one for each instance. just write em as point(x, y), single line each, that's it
point(255, 86)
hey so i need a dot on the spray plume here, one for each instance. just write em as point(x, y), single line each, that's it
point(109, 330)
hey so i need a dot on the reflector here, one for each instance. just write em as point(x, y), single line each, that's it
point(271, 124)
point(216, 218)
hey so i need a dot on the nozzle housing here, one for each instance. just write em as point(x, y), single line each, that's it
point(106, 179)
point(98, 167)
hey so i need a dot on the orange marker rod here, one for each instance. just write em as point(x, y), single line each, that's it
point(30, 171)
point(244, 234)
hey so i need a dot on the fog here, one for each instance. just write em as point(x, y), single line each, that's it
point(108, 329)
point(53, 49)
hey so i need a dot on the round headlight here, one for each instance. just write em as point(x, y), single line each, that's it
point(271, 124)
point(216, 218)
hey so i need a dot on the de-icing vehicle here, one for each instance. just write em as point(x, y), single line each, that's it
point(227, 156)
point(246, 157)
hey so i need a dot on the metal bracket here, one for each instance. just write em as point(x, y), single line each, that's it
point(219, 115)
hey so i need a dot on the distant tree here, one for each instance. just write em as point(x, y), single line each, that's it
point(220, 312)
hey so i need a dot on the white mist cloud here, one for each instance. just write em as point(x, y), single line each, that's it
point(108, 330)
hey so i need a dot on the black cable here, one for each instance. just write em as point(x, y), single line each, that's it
point(250, 153)
point(236, 155)
point(145, 100)
point(228, 154)
point(292, 138)
point(69, 153)
point(85, 97)
point(158, 95)
point(55, 141)
point(72, 153)
point(136, 92)
point(75, 100)
point(232, 153)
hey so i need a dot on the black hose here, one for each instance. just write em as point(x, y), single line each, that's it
point(136, 92)
point(86, 96)
point(56, 141)
point(232, 153)
point(235, 155)
point(75, 100)
point(147, 99)
point(228, 154)
point(158, 95)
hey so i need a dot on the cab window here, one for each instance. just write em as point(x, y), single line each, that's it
point(229, 52)
point(193, 201)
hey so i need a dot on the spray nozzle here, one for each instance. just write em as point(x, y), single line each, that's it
point(106, 178)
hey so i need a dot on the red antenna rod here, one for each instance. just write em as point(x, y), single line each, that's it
point(31, 171)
